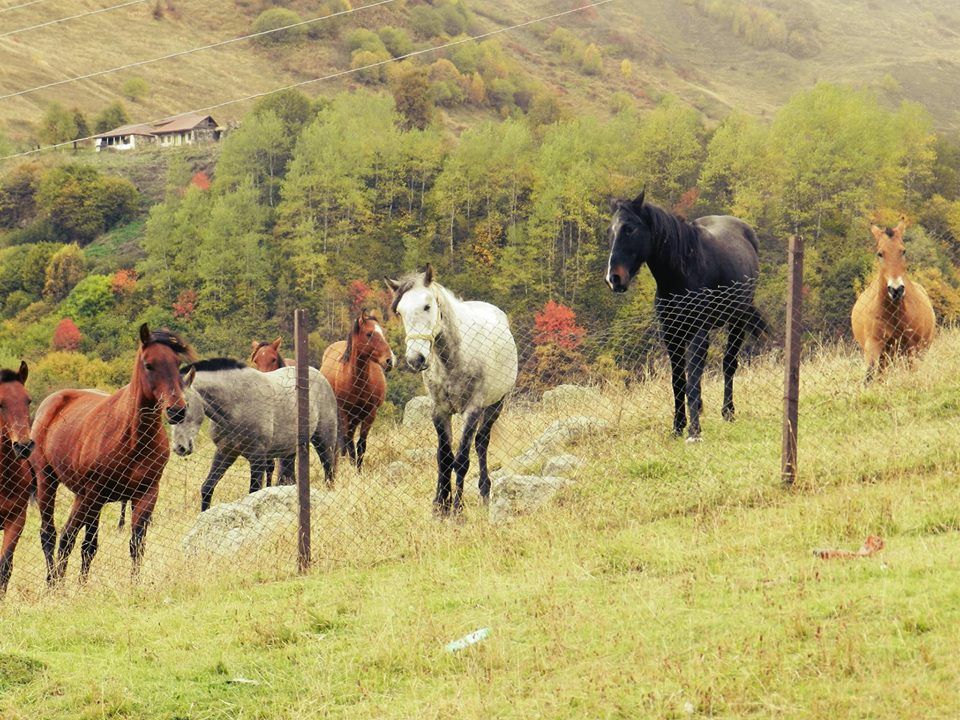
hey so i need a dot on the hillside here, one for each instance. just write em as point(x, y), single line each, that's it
point(910, 50)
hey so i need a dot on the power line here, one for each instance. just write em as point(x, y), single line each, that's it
point(340, 73)
point(70, 17)
point(21, 5)
point(181, 53)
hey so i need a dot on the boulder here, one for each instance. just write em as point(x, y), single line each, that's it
point(418, 411)
point(562, 465)
point(515, 495)
point(571, 398)
point(558, 434)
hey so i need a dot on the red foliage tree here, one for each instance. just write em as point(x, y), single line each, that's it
point(123, 282)
point(359, 295)
point(185, 304)
point(66, 336)
point(557, 324)
point(201, 180)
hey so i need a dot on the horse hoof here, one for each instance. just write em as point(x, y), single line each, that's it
point(694, 439)
point(728, 415)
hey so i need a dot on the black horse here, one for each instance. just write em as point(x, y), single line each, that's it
point(706, 271)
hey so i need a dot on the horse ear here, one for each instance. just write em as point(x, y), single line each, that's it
point(428, 274)
point(144, 334)
point(22, 374)
point(254, 345)
point(276, 343)
point(392, 285)
point(637, 202)
point(191, 374)
point(877, 233)
point(902, 226)
point(615, 204)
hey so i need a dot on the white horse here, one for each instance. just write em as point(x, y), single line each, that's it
point(468, 359)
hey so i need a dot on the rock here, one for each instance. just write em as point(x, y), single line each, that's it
point(571, 398)
point(558, 434)
point(228, 528)
point(396, 469)
point(562, 465)
point(420, 456)
point(513, 495)
point(418, 411)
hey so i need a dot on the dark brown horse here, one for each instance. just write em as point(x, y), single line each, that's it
point(16, 480)
point(266, 356)
point(355, 370)
point(108, 448)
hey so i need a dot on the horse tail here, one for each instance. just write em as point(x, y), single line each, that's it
point(756, 325)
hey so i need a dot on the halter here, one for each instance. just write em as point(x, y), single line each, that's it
point(435, 331)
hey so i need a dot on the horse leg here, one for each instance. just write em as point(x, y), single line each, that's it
point(259, 466)
point(348, 435)
point(698, 361)
point(46, 499)
point(490, 416)
point(461, 463)
point(362, 439)
point(731, 361)
point(328, 457)
point(68, 535)
point(12, 530)
point(441, 501)
point(678, 380)
point(221, 463)
point(123, 515)
point(873, 354)
point(140, 516)
point(91, 536)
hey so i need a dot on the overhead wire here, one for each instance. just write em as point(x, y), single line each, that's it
point(98, 11)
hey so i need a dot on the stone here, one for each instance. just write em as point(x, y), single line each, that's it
point(558, 434)
point(421, 456)
point(571, 398)
point(396, 469)
point(418, 411)
point(515, 495)
point(562, 465)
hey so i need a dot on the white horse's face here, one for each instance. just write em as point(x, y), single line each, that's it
point(421, 321)
point(185, 432)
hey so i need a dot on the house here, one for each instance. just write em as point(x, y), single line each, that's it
point(181, 130)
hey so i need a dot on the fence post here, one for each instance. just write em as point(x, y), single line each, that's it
point(303, 439)
point(791, 375)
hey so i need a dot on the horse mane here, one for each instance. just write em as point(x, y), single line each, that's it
point(9, 376)
point(366, 316)
point(677, 238)
point(214, 364)
point(182, 349)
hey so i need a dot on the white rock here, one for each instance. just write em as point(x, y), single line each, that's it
point(562, 465)
point(513, 495)
point(558, 434)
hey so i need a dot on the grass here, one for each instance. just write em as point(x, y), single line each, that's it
point(671, 580)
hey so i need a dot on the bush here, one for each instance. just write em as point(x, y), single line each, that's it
point(18, 191)
point(66, 336)
point(363, 39)
point(426, 21)
point(332, 26)
point(16, 302)
point(91, 296)
point(80, 203)
point(60, 370)
point(136, 88)
point(395, 40)
point(65, 269)
point(364, 58)
point(112, 116)
point(592, 62)
point(277, 18)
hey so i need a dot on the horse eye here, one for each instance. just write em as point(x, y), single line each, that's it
point(880, 254)
point(369, 334)
point(148, 366)
point(426, 307)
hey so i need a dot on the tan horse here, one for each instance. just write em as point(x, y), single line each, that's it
point(893, 315)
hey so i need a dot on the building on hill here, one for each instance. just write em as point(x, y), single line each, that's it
point(182, 130)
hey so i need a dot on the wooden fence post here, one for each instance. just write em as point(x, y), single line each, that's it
point(791, 356)
point(303, 439)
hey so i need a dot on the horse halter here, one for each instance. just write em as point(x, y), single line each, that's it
point(435, 331)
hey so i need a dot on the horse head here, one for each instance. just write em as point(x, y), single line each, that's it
point(266, 356)
point(630, 242)
point(185, 432)
point(893, 261)
point(157, 371)
point(415, 301)
point(15, 411)
point(369, 343)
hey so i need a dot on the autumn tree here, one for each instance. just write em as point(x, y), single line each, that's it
point(66, 336)
point(65, 269)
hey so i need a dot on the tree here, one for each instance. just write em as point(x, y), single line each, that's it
point(257, 153)
point(135, 88)
point(80, 203)
point(89, 298)
point(291, 107)
point(66, 336)
point(58, 125)
point(395, 40)
point(65, 269)
point(112, 116)
point(592, 61)
point(269, 22)
point(410, 86)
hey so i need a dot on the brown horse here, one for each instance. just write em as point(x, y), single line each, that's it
point(16, 480)
point(108, 448)
point(893, 315)
point(266, 356)
point(355, 370)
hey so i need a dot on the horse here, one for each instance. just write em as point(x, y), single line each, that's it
point(266, 357)
point(16, 480)
point(250, 416)
point(108, 448)
point(893, 315)
point(355, 370)
point(467, 357)
point(706, 272)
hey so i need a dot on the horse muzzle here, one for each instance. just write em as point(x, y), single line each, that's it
point(417, 362)
point(390, 363)
point(22, 450)
point(176, 415)
point(618, 279)
point(183, 450)
point(895, 292)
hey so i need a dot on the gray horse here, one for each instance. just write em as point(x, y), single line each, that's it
point(253, 415)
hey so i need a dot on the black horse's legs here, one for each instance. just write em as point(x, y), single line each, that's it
point(441, 501)
point(675, 348)
point(221, 463)
point(730, 363)
point(68, 535)
point(697, 364)
point(328, 457)
point(462, 462)
point(490, 416)
point(91, 534)
point(259, 467)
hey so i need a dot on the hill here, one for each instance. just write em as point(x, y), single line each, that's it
point(707, 56)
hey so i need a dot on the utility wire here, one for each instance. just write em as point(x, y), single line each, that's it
point(181, 53)
point(21, 5)
point(340, 73)
point(70, 17)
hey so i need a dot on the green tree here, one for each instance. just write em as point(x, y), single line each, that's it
point(256, 154)
point(58, 125)
point(135, 88)
point(65, 269)
point(269, 22)
point(80, 203)
point(112, 116)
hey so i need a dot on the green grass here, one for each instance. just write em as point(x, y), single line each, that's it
point(671, 580)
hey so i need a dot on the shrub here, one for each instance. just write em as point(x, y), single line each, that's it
point(277, 18)
point(592, 62)
point(135, 88)
point(426, 21)
point(66, 336)
point(65, 269)
point(332, 26)
point(363, 39)
point(364, 59)
point(80, 203)
point(91, 296)
point(395, 40)
point(18, 191)
point(62, 369)
point(123, 282)
point(112, 116)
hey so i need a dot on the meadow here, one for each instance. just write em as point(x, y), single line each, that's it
point(671, 580)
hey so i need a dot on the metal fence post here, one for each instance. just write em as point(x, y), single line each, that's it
point(303, 439)
point(791, 377)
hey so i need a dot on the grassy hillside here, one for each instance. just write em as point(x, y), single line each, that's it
point(674, 47)
point(672, 580)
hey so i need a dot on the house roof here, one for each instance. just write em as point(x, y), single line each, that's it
point(181, 123)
